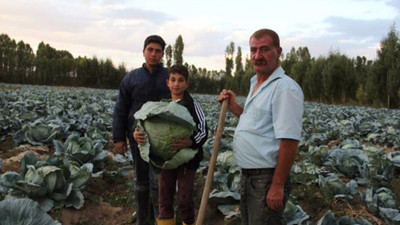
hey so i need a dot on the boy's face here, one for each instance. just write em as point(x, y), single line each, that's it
point(177, 83)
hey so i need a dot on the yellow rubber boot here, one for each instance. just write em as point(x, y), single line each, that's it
point(183, 223)
point(166, 221)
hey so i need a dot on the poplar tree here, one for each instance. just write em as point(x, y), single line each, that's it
point(178, 50)
point(230, 49)
point(7, 58)
point(24, 62)
point(387, 69)
point(168, 56)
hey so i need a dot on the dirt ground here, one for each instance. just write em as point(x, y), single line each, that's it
point(110, 201)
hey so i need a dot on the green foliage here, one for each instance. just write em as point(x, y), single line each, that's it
point(334, 79)
point(37, 133)
point(178, 50)
point(165, 121)
point(383, 82)
point(168, 56)
point(23, 211)
point(18, 64)
point(82, 150)
point(229, 51)
point(239, 65)
point(52, 183)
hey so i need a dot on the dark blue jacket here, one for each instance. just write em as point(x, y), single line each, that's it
point(137, 87)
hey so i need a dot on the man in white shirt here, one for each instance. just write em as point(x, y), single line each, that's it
point(269, 129)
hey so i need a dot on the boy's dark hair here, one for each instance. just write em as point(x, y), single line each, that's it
point(154, 39)
point(179, 69)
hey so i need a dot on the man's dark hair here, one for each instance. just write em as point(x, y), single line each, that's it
point(179, 69)
point(154, 39)
point(267, 32)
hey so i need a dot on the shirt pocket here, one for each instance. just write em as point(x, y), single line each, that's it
point(261, 120)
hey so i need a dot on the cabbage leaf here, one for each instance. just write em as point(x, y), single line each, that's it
point(163, 122)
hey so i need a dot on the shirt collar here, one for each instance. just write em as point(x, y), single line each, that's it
point(278, 73)
point(156, 69)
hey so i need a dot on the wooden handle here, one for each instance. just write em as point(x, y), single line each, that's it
point(214, 154)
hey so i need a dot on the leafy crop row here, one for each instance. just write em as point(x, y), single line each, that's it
point(347, 152)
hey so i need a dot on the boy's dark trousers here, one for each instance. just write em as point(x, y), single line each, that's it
point(167, 181)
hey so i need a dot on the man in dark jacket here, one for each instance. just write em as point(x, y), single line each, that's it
point(143, 84)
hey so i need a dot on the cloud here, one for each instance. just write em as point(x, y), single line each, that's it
point(360, 29)
point(131, 13)
point(352, 37)
point(395, 4)
point(116, 29)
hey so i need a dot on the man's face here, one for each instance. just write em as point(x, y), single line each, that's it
point(264, 55)
point(153, 54)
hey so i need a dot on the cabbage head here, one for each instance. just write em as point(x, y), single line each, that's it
point(82, 150)
point(163, 122)
point(23, 211)
point(37, 133)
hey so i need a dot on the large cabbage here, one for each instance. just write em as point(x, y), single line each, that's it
point(163, 122)
point(53, 183)
point(23, 211)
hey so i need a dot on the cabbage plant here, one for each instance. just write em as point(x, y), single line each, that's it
point(52, 183)
point(82, 150)
point(37, 133)
point(23, 211)
point(163, 122)
point(391, 216)
point(379, 198)
point(294, 214)
point(330, 218)
point(332, 186)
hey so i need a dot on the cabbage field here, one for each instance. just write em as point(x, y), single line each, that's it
point(56, 167)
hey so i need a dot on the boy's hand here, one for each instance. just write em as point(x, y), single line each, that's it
point(139, 136)
point(182, 142)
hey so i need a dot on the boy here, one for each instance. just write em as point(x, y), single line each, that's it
point(178, 82)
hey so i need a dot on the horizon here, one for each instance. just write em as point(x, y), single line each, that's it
point(115, 30)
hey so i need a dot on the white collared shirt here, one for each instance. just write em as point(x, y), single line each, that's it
point(273, 112)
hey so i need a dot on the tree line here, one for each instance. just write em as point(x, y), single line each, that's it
point(18, 64)
point(332, 79)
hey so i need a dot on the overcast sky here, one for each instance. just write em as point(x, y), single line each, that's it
point(116, 29)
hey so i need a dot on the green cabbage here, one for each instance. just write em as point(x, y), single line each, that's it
point(23, 211)
point(52, 183)
point(37, 133)
point(161, 134)
point(163, 122)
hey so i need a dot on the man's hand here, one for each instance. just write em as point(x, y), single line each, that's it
point(120, 147)
point(182, 142)
point(275, 197)
point(226, 94)
point(233, 106)
point(139, 136)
